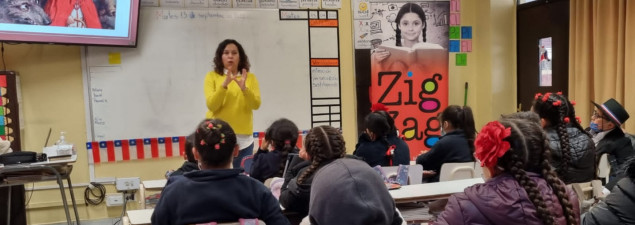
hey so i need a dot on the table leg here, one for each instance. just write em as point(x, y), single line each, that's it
point(61, 184)
point(9, 206)
point(70, 188)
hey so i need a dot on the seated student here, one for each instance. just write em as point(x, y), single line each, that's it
point(380, 144)
point(322, 145)
point(190, 163)
point(520, 187)
point(216, 193)
point(356, 194)
point(572, 150)
point(280, 140)
point(609, 138)
point(456, 145)
point(617, 207)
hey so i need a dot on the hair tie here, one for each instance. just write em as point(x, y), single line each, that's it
point(566, 120)
point(572, 102)
point(217, 146)
point(546, 97)
point(559, 93)
point(557, 103)
point(202, 142)
point(578, 119)
point(378, 107)
point(287, 142)
point(537, 96)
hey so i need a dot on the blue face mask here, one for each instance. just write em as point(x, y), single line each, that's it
point(595, 127)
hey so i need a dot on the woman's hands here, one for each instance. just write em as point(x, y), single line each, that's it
point(240, 79)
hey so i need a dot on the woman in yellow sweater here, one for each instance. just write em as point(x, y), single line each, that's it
point(232, 93)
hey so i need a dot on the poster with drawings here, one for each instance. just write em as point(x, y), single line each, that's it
point(381, 26)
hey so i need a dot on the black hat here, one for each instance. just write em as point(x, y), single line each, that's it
point(614, 111)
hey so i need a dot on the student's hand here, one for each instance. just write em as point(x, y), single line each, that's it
point(428, 173)
point(381, 54)
point(241, 80)
point(265, 145)
point(304, 155)
point(228, 79)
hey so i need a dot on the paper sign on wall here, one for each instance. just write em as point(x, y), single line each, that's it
point(455, 32)
point(268, 4)
point(197, 3)
point(220, 3)
point(461, 59)
point(150, 3)
point(455, 5)
point(331, 4)
point(455, 46)
point(466, 45)
point(455, 19)
point(311, 4)
point(466, 32)
point(361, 9)
point(244, 3)
point(114, 58)
point(289, 4)
point(172, 3)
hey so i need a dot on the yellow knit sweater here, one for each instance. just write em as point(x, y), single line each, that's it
point(232, 104)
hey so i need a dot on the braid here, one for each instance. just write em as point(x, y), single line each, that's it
point(284, 153)
point(565, 146)
point(425, 27)
point(323, 144)
point(398, 36)
point(314, 166)
point(556, 185)
point(516, 169)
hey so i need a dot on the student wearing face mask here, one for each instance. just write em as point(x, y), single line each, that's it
point(456, 144)
point(609, 137)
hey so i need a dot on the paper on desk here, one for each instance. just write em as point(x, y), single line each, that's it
point(58, 150)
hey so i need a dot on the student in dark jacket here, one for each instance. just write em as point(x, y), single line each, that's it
point(521, 186)
point(379, 144)
point(190, 163)
point(322, 145)
point(280, 140)
point(456, 144)
point(216, 193)
point(618, 206)
point(572, 149)
point(349, 192)
point(610, 139)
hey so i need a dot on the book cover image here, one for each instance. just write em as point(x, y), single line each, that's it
point(409, 67)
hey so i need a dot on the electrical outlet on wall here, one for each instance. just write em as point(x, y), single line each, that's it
point(114, 199)
point(127, 184)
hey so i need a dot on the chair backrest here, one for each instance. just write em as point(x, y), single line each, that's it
point(246, 162)
point(457, 171)
point(604, 168)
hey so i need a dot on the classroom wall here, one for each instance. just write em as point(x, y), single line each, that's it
point(52, 90)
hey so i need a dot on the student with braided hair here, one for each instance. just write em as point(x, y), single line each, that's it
point(572, 149)
point(521, 187)
point(216, 193)
point(322, 145)
point(280, 140)
point(379, 144)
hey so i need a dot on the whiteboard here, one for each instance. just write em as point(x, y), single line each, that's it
point(156, 89)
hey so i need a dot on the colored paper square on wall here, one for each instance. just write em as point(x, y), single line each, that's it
point(466, 32)
point(461, 59)
point(455, 5)
point(455, 19)
point(3, 130)
point(1, 111)
point(4, 138)
point(2, 121)
point(114, 58)
point(3, 81)
point(455, 32)
point(466, 45)
point(455, 46)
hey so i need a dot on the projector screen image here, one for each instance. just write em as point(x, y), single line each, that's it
point(85, 22)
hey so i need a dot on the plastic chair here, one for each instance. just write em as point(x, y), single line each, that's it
point(246, 162)
point(457, 171)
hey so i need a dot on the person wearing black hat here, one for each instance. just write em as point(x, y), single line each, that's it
point(609, 137)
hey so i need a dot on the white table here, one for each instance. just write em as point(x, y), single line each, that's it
point(155, 185)
point(431, 191)
point(140, 217)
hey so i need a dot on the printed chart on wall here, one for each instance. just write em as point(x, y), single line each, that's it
point(408, 44)
point(143, 101)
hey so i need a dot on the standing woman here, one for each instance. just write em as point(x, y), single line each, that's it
point(232, 93)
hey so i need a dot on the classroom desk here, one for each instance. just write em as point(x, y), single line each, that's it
point(431, 191)
point(20, 174)
point(139, 217)
point(149, 185)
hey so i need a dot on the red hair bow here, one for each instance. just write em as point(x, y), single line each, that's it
point(378, 107)
point(537, 96)
point(572, 102)
point(546, 97)
point(566, 120)
point(490, 144)
point(557, 103)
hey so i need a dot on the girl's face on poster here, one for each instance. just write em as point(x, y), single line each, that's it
point(231, 57)
point(411, 27)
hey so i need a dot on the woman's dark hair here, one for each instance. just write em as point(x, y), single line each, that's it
point(460, 117)
point(558, 111)
point(215, 141)
point(529, 151)
point(410, 8)
point(218, 57)
point(283, 135)
point(323, 144)
point(189, 144)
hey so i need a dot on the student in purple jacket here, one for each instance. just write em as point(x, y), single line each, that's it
point(521, 186)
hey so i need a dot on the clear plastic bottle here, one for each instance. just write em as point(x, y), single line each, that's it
point(62, 140)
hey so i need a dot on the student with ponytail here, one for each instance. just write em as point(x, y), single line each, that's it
point(280, 140)
point(521, 187)
point(572, 149)
point(379, 144)
point(322, 145)
point(456, 144)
